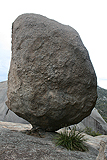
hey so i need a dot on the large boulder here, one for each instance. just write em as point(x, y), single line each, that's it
point(51, 82)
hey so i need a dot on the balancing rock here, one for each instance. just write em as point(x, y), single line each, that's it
point(51, 81)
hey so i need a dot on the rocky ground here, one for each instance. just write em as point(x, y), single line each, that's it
point(15, 145)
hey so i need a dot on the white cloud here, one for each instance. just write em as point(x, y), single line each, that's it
point(103, 83)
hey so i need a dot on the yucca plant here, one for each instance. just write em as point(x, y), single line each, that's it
point(72, 140)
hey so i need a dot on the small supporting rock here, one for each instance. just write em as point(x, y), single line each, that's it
point(38, 132)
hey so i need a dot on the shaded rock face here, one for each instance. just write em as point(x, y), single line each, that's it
point(96, 122)
point(6, 114)
point(51, 82)
point(93, 121)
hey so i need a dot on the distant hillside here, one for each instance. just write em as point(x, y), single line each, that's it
point(101, 103)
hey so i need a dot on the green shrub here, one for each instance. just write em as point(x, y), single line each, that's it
point(89, 131)
point(72, 140)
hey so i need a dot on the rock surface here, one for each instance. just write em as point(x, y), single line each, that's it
point(51, 82)
point(15, 126)
point(93, 121)
point(5, 113)
point(101, 155)
point(3, 98)
point(17, 146)
point(96, 122)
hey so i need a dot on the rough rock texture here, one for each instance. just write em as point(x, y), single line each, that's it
point(51, 81)
point(5, 113)
point(94, 120)
point(17, 146)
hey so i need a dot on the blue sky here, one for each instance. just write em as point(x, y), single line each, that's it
point(5, 56)
point(88, 17)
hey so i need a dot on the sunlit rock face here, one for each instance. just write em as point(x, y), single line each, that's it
point(51, 82)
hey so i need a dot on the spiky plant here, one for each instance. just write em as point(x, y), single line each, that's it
point(72, 140)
